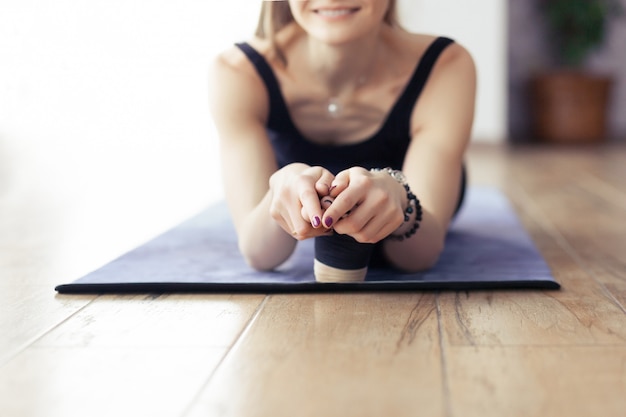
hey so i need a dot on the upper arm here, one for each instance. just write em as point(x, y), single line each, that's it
point(441, 127)
point(239, 107)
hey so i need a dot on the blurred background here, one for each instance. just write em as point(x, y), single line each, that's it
point(105, 133)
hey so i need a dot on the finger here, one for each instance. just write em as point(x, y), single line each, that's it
point(326, 202)
point(315, 222)
point(341, 206)
point(354, 221)
point(339, 183)
point(297, 226)
point(371, 231)
point(370, 222)
point(319, 178)
point(306, 231)
point(323, 184)
point(302, 229)
point(311, 209)
point(294, 222)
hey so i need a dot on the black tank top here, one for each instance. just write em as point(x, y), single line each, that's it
point(386, 148)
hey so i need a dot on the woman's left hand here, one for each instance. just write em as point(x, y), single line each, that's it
point(367, 205)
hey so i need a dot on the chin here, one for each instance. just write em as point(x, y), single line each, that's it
point(339, 36)
point(339, 26)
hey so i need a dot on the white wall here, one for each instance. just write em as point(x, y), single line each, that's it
point(105, 103)
point(480, 26)
point(104, 115)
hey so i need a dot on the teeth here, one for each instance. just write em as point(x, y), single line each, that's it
point(334, 13)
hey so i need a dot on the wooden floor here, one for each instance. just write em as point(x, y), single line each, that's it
point(483, 353)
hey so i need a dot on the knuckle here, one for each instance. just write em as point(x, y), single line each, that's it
point(359, 237)
point(282, 194)
point(371, 239)
point(383, 199)
point(362, 237)
point(303, 180)
point(363, 181)
point(357, 170)
point(349, 228)
point(398, 217)
point(300, 232)
point(274, 211)
point(308, 194)
point(347, 202)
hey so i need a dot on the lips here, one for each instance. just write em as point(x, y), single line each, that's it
point(336, 12)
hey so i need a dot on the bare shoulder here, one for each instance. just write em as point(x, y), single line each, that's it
point(232, 62)
point(235, 85)
point(454, 57)
point(457, 58)
point(446, 105)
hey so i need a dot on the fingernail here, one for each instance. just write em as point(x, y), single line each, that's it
point(326, 202)
point(316, 221)
point(328, 221)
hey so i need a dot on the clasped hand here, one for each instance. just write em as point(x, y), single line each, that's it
point(310, 201)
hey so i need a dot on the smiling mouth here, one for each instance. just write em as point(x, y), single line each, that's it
point(335, 12)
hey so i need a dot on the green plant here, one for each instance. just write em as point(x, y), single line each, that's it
point(578, 26)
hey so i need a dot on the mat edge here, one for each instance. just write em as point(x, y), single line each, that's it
point(309, 287)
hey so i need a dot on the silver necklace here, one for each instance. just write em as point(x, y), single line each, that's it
point(334, 107)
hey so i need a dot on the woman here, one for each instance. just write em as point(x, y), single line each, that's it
point(332, 101)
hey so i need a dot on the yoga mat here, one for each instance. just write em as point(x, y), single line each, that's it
point(486, 248)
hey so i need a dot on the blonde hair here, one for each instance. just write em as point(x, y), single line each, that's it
point(275, 15)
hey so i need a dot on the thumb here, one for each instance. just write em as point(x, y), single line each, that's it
point(323, 183)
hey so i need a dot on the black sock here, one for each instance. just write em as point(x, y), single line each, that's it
point(342, 251)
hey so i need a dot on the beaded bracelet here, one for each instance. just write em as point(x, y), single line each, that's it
point(413, 206)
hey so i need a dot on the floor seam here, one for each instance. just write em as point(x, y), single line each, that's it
point(30, 343)
point(444, 363)
point(238, 340)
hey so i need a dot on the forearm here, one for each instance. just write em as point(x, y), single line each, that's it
point(262, 242)
point(420, 251)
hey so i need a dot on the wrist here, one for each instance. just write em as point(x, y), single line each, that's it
point(412, 211)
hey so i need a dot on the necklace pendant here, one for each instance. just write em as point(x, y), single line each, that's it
point(334, 107)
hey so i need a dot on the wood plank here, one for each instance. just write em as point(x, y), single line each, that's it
point(569, 317)
point(533, 381)
point(129, 354)
point(176, 320)
point(583, 312)
point(586, 218)
point(333, 355)
point(548, 353)
point(27, 312)
point(105, 381)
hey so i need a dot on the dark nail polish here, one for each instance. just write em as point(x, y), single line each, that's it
point(316, 221)
point(328, 221)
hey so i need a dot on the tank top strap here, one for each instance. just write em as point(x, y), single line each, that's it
point(277, 102)
point(405, 104)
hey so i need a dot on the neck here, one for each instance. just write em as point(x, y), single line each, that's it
point(342, 68)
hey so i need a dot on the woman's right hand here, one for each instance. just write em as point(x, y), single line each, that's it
point(296, 190)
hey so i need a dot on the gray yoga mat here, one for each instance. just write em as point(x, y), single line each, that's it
point(486, 248)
